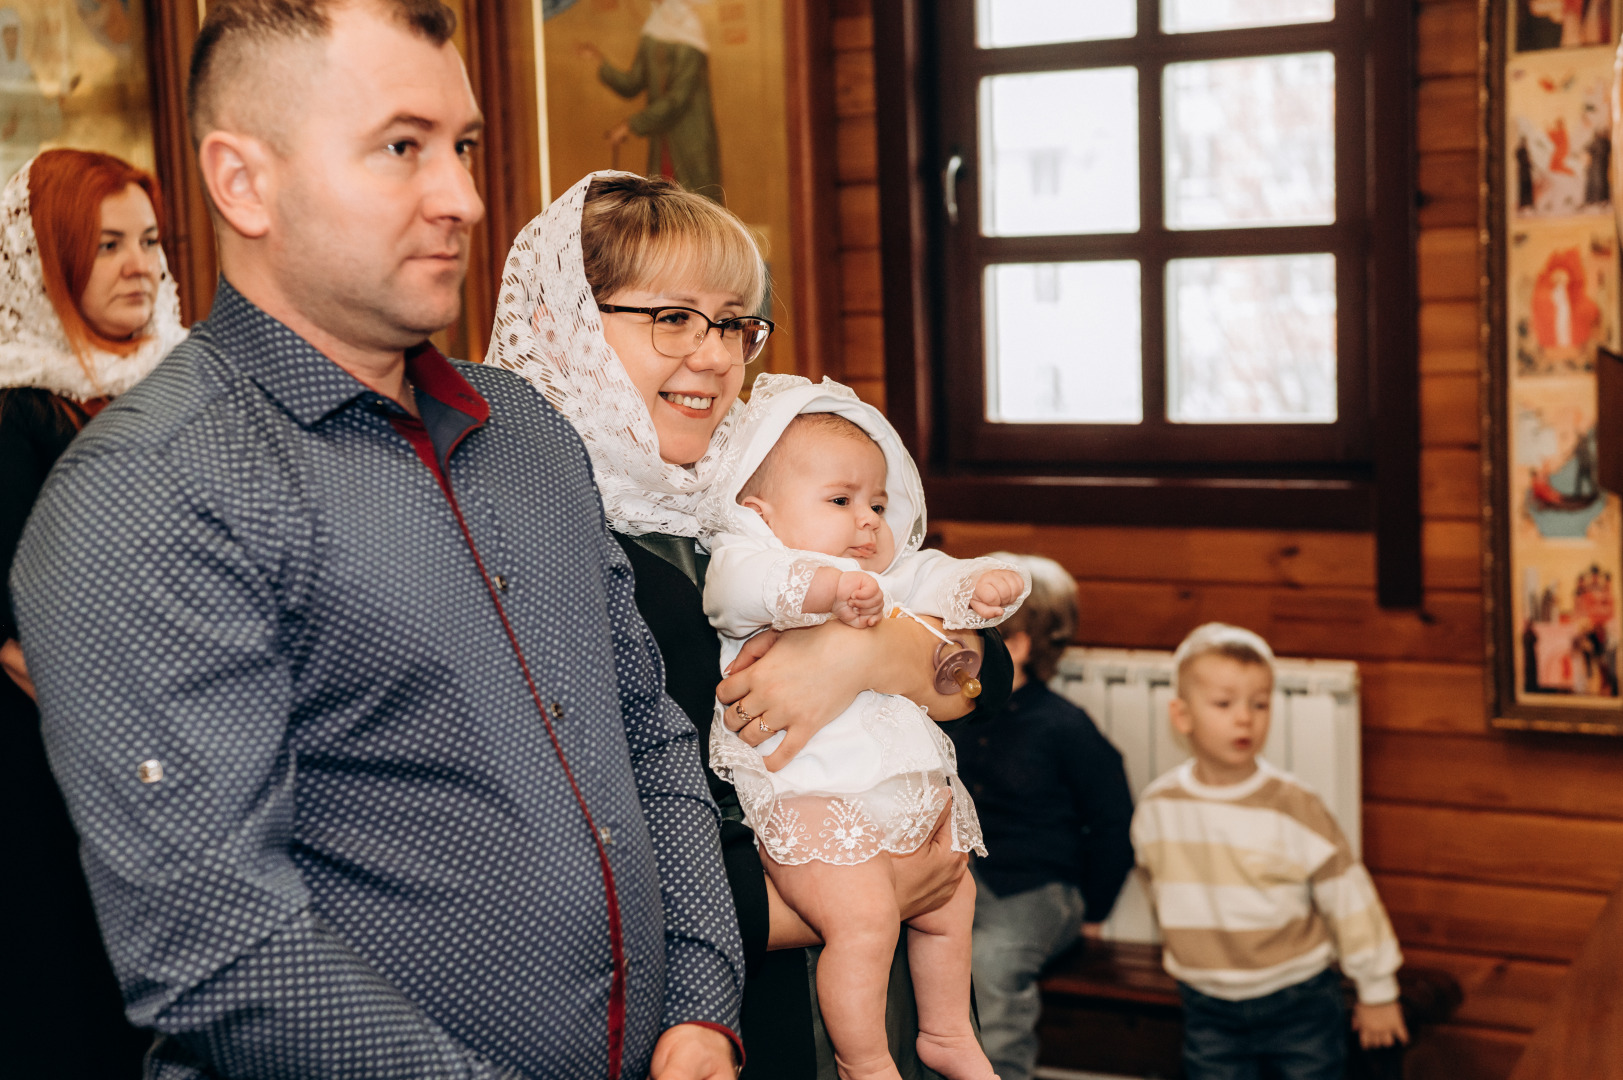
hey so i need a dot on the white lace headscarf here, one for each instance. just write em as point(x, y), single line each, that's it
point(34, 348)
point(775, 400)
point(548, 329)
point(676, 21)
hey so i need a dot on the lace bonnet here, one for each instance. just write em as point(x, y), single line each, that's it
point(34, 348)
point(548, 330)
point(775, 400)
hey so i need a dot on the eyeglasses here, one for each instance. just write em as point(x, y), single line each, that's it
point(679, 332)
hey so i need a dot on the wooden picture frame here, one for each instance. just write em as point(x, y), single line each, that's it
point(1552, 536)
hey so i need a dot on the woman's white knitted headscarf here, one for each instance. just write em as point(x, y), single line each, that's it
point(548, 329)
point(34, 347)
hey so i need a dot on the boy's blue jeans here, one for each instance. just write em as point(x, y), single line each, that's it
point(1298, 1033)
point(1015, 936)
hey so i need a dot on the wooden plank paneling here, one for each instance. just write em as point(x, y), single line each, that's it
point(1446, 37)
point(1448, 410)
point(1459, 1052)
point(1446, 117)
point(1536, 924)
point(857, 150)
point(1498, 993)
point(853, 32)
point(1406, 696)
point(1489, 846)
point(1536, 774)
point(853, 83)
point(1448, 264)
point(859, 215)
point(864, 347)
point(1231, 556)
point(1452, 551)
point(1449, 480)
point(1329, 623)
point(859, 281)
point(1449, 337)
point(1448, 189)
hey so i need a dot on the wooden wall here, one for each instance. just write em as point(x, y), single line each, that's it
point(1494, 853)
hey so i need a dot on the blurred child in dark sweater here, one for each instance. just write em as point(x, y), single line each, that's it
point(1055, 809)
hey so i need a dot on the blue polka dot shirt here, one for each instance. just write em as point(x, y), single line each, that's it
point(365, 741)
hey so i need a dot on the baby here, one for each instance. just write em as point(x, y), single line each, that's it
point(821, 515)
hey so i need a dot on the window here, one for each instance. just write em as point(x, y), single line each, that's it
point(1158, 262)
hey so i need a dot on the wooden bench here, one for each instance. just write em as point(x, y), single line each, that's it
point(1112, 1008)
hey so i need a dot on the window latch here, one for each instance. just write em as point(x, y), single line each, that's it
point(949, 187)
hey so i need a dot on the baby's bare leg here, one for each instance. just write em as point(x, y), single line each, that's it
point(854, 909)
point(938, 951)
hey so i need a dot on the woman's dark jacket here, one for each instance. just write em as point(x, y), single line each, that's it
point(66, 1016)
point(780, 1027)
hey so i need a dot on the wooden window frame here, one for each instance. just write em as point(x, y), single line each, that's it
point(1379, 493)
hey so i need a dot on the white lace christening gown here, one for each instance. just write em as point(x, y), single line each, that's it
point(877, 777)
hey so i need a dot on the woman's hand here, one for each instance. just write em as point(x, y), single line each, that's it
point(797, 681)
point(11, 661)
point(927, 878)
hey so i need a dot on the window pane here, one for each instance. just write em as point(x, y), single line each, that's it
point(1251, 142)
point(1187, 16)
point(1059, 152)
point(1062, 343)
point(1000, 23)
point(1252, 340)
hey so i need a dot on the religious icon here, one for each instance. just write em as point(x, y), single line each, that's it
point(1563, 297)
point(672, 68)
point(1559, 135)
point(1562, 24)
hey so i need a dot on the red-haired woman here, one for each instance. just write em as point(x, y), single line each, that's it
point(87, 307)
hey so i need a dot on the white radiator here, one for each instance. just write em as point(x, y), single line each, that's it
point(1314, 736)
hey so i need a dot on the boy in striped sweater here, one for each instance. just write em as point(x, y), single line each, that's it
point(1256, 889)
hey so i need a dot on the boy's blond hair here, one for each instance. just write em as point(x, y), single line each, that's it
point(1049, 616)
point(1219, 639)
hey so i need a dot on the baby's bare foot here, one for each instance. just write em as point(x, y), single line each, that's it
point(957, 1057)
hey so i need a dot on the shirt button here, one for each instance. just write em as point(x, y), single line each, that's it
point(984, 741)
point(501, 583)
point(606, 835)
point(149, 771)
point(557, 711)
point(980, 789)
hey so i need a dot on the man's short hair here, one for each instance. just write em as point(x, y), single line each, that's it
point(832, 423)
point(235, 36)
point(1219, 639)
point(1049, 616)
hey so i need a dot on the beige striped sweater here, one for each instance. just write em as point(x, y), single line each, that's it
point(1256, 889)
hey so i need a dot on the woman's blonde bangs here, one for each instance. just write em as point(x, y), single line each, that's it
point(650, 234)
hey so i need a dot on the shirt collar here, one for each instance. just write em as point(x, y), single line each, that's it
point(290, 370)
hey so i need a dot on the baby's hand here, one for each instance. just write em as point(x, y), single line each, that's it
point(1379, 1025)
point(995, 590)
point(858, 599)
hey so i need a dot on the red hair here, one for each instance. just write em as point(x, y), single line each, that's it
point(65, 192)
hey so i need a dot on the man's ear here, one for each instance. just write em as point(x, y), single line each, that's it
point(759, 505)
point(236, 170)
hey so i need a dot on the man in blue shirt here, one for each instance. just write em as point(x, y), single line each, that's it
point(340, 671)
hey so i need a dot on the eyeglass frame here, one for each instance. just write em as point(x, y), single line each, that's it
point(653, 319)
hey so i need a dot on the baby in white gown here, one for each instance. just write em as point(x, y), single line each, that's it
point(820, 515)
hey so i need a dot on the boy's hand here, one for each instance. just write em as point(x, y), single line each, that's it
point(994, 590)
point(858, 599)
point(1379, 1025)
